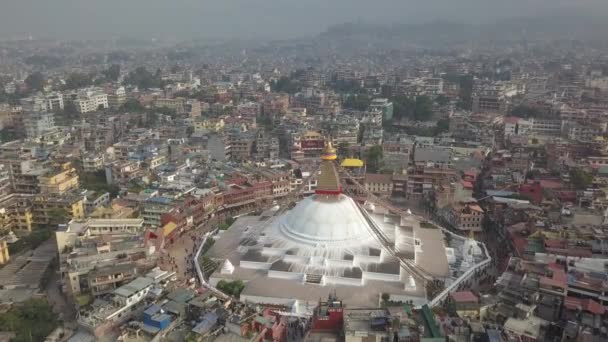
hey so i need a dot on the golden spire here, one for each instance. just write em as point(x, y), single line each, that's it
point(329, 182)
point(329, 152)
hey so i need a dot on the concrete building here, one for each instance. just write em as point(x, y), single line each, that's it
point(94, 200)
point(4, 255)
point(90, 100)
point(51, 209)
point(91, 245)
point(397, 154)
point(464, 216)
point(93, 163)
point(38, 123)
point(16, 213)
point(379, 184)
point(154, 208)
point(117, 97)
point(384, 106)
point(59, 181)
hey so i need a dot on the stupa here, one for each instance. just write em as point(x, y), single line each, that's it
point(325, 244)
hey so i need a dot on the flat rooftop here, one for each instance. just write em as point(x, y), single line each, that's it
point(133, 287)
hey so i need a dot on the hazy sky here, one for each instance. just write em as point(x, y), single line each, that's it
point(243, 18)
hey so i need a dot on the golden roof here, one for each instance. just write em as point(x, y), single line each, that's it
point(352, 162)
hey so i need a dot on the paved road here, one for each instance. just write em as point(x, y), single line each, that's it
point(177, 256)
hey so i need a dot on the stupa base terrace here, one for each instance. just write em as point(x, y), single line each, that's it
point(325, 245)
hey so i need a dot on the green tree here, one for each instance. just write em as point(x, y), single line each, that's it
point(78, 80)
point(143, 78)
point(96, 181)
point(580, 179)
point(443, 125)
point(35, 81)
point(58, 215)
point(525, 111)
point(285, 85)
point(442, 100)
point(423, 108)
point(343, 150)
point(386, 297)
point(7, 135)
point(465, 83)
point(133, 106)
point(112, 73)
point(374, 157)
point(232, 288)
point(386, 91)
point(357, 102)
point(32, 320)
point(68, 115)
point(403, 107)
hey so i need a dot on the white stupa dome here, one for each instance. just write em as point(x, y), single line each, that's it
point(331, 221)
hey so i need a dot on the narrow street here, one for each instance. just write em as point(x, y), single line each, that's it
point(58, 300)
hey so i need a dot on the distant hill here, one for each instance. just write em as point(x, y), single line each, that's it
point(551, 26)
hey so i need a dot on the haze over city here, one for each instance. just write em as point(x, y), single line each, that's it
point(261, 19)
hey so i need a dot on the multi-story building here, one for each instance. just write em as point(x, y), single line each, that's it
point(94, 200)
point(154, 208)
point(106, 279)
point(122, 172)
point(186, 215)
point(436, 157)
point(51, 209)
point(117, 97)
point(125, 302)
point(384, 106)
point(422, 180)
point(241, 146)
point(241, 195)
point(10, 116)
point(38, 123)
point(464, 216)
point(379, 184)
point(59, 181)
point(16, 213)
point(97, 255)
point(93, 163)
point(492, 97)
point(397, 153)
point(193, 108)
point(177, 104)
point(4, 255)
point(275, 105)
point(219, 147)
point(311, 144)
point(202, 126)
point(33, 104)
point(584, 132)
point(533, 126)
point(54, 102)
point(23, 172)
point(89, 100)
point(266, 146)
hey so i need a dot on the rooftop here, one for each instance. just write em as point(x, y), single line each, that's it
point(133, 287)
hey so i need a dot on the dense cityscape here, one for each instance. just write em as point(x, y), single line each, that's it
point(432, 182)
